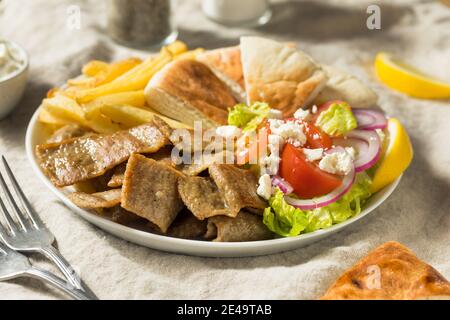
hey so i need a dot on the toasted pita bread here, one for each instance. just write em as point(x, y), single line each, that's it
point(188, 91)
point(280, 75)
point(391, 271)
point(345, 87)
point(227, 66)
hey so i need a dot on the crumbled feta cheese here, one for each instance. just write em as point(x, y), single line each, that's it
point(270, 164)
point(275, 144)
point(228, 131)
point(313, 154)
point(314, 109)
point(301, 114)
point(351, 151)
point(290, 131)
point(337, 163)
point(265, 187)
point(275, 114)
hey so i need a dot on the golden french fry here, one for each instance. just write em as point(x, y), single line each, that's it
point(133, 98)
point(46, 117)
point(112, 72)
point(135, 79)
point(177, 47)
point(129, 116)
point(52, 92)
point(190, 55)
point(102, 124)
point(65, 108)
point(92, 68)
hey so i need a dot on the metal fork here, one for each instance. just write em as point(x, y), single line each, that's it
point(28, 233)
point(15, 265)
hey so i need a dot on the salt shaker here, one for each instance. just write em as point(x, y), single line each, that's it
point(141, 23)
point(238, 12)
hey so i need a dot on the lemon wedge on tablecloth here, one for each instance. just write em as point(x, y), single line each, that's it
point(397, 157)
point(405, 78)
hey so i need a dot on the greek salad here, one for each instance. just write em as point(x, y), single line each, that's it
point(315, 169)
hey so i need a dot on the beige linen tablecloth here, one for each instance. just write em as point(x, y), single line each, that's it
point(417, 214)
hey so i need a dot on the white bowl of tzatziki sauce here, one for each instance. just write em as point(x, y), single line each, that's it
point(13, 75)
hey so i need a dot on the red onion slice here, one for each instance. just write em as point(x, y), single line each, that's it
point(369, 119)
point(284, 186)
point(367, 145)
point(335, 195)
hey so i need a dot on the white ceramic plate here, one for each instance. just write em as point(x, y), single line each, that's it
point(36, 135)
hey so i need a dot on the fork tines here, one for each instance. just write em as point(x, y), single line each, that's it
point(20, 214)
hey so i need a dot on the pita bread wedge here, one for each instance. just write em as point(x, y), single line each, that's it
point(391, 272)
point(227, 66)
point(345, 87)
point(280, 75)
point(187, 91)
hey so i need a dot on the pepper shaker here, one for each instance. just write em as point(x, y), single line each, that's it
point(141, 23)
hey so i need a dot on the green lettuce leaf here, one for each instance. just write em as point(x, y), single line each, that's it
point(288, 221)
point(337, 120)
point(282, 218)
point(248, 118)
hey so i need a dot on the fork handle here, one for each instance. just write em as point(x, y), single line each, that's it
point(56, 282)
point(53, 254)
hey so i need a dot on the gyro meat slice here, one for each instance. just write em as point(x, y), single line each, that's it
point(150, 191)
point(187, 226)
point(116, 180)
point(124, 217)
point(84, 158)
point(203, 198)
point(196, 168)
point(66, 132)
point(118, 175)
point(99, 200)
point(237, 186)
point(245, 227)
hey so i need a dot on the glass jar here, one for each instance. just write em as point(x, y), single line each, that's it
point(238, 12)
point(141, 23)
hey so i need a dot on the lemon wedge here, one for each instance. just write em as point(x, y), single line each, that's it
point(405, 78)
point(397, 157)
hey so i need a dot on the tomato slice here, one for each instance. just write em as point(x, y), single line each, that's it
point(315, 138)
point(304, 176)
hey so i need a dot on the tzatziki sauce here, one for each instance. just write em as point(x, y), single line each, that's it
point(11, 60)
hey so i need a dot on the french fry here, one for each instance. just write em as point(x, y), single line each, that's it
point(107, 75)
point(92, 68)
point(177, 47)
point(52, 92)
point(133, 98)
point(46, 117)
point(102, 124)
point(136, 78)
point(129, 116)
point(190, 55)
point(63, 107)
